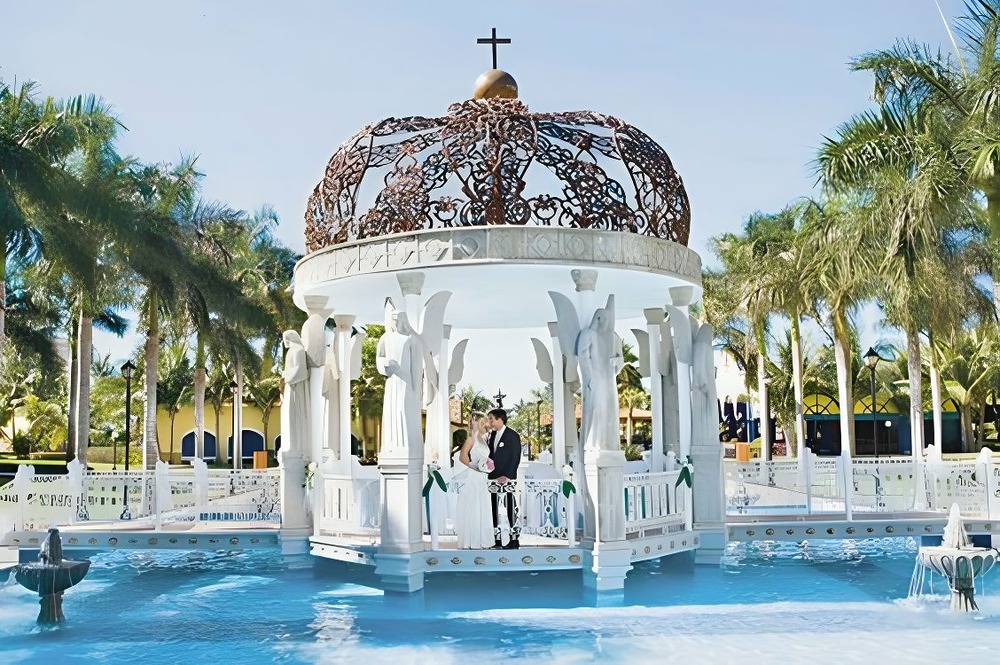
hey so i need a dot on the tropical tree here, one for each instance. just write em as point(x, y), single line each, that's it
point(839, 267)
point(969, 367)
point(37, 140)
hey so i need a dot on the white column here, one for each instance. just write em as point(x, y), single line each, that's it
point(558, 401)
point(442, 417)
point(586, 282)
point(345, 324)
point(410, 284)
point(681, 331)
point(654, 317)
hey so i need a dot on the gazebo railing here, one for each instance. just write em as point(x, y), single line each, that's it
point(655, 504)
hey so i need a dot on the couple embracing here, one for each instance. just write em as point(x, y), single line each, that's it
point(490, 456)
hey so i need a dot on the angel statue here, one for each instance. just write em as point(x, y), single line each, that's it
point(401, 358)
point(295, 401)
point(598, 351)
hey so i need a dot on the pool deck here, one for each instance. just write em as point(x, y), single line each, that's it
point(836, 526)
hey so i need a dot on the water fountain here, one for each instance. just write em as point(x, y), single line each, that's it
point(50, 576)
point(956, 559)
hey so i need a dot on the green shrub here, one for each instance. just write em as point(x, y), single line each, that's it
point(22, 445)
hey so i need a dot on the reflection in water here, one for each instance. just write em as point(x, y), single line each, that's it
point(767, 600)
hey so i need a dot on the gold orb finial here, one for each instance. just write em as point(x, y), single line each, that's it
point(495, 83)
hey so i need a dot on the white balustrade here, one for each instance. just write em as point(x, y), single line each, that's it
point(349, 506)
point(654, 504)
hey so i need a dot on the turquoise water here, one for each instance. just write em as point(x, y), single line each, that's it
point(825, 602)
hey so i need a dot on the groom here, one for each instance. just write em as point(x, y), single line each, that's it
point(505, 451)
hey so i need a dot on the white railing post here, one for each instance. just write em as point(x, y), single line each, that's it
point(845, 463)
point(806, 463)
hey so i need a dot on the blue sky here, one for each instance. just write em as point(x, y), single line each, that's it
point(739, 92)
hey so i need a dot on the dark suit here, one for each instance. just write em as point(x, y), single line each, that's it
point(506, 456)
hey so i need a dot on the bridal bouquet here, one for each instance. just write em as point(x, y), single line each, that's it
point(486, 465)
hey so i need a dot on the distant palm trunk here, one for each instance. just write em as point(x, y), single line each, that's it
point(199, 412)
point(842, 354)
point(765, 405)
point(914, 374)
point(85, 351)
point(936, 402)
point(151, 446)
point(74, 369)
point(3, 297)
point(800, 420)
point(199, 399)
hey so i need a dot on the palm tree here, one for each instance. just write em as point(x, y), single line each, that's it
point(760, 262)
point(36, 141)
point(969, 366)
point(842, 279)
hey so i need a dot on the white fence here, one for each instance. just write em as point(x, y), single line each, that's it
point(35, 502)
point(655, 504)
point(816, 485)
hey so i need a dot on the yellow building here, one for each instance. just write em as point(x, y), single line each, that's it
point(257, 434)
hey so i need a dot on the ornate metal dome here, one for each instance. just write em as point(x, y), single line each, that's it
point(490, 161)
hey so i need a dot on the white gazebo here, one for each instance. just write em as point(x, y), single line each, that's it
point(575, 223)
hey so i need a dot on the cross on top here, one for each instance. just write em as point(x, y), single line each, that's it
point(494, 40)
point(499, 398)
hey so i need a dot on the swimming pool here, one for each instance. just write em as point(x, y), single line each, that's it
point(824, 602)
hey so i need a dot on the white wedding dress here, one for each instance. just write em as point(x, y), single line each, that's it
point(473, 515)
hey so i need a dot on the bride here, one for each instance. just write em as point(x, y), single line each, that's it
point(473, 515)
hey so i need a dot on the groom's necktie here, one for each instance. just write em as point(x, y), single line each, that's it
point(490, 439)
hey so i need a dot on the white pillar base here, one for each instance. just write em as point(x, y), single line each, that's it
point(293, 494)
point(294, 541)
point(606, 486)
point(401, 528)
point(399, 572)
point(605, 568)
point(712, 541)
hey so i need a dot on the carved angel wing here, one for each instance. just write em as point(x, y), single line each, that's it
point(432, 321)
point(357, 341)
point(543, 362)
point(567, 323)
point(457, 367)
point(681, 327)
point(642, 346)
point(668, 364)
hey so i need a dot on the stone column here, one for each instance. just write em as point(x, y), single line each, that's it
point(671, 404)
point(401, 470)
point(345, 324)
point(681, 330)
point(411, 284)
point(314, 339)
point(442, 418)
point(654, 317)
point(558, 401)
point(585, 282)
point(709, 514)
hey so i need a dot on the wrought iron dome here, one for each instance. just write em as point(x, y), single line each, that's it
point(491, 161)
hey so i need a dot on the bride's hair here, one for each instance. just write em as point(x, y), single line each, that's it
point(475, 417)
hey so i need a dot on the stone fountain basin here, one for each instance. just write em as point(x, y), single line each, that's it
point(46, 579)
point(954, 563)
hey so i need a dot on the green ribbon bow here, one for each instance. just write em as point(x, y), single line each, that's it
point(434, 477)
point(568, 488)
point(685, 476)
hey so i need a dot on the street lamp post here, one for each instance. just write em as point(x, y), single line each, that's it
point(127, 369)
point(871, 360)
point(236, 452)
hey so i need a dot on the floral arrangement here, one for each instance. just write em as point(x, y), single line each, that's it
point(487, 465)
point(310, 473)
